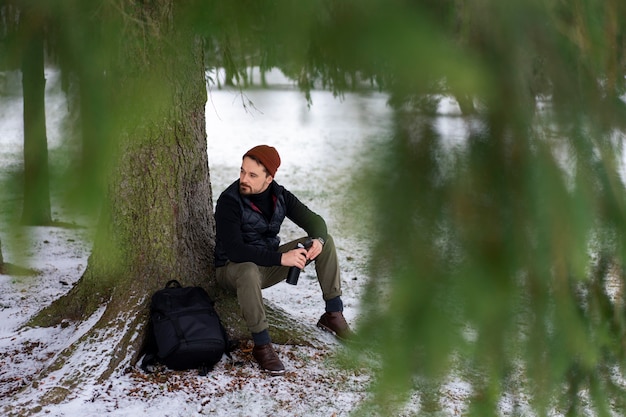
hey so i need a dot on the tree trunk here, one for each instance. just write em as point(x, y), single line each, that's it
point(36, 207)
point(157, 221)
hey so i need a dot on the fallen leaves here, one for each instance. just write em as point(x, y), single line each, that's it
point(241, 376)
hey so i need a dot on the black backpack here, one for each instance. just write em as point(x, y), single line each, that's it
point(185, 331)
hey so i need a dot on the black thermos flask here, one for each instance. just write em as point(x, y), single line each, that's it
point(294, 271)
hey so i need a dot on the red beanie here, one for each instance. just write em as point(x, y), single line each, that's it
point(267, 156)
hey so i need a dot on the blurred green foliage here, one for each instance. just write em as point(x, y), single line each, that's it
point(501, 257)
point(504, 255)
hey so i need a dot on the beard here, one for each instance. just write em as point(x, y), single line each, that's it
point(252, 189)
point(245, 189)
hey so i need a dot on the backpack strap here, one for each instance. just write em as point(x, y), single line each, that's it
point(148, 361)
point(150, 348)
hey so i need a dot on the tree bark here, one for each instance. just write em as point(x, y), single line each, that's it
point(36, 207)
point(156, 223)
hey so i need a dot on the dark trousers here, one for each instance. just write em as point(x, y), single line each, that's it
point(247, 280)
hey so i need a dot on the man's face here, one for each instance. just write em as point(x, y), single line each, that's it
point(253, 179)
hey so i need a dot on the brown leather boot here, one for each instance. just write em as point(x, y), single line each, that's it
point(335, 323)
point(268, 360)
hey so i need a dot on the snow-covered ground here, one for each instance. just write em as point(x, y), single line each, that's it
point(322, 148)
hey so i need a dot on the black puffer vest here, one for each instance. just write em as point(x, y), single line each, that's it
point(256, 230)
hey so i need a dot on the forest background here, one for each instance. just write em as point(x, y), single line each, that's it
point(505, 253)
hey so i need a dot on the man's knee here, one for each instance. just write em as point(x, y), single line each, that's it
point(236, 275)
point(247, 274)
point(329, 247)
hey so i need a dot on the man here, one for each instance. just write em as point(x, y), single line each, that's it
point(248, 255)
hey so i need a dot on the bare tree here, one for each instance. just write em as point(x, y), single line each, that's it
point(36, 205)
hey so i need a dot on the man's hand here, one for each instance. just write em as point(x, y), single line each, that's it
point(315, 249)
point(295, 257)
point(300, 256)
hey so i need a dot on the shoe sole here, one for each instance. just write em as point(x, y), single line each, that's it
point(329, 330)
point(348, 339)
point(273, 373)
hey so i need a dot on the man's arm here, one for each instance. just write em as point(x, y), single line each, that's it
point(300, 214)
point(311, 222)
